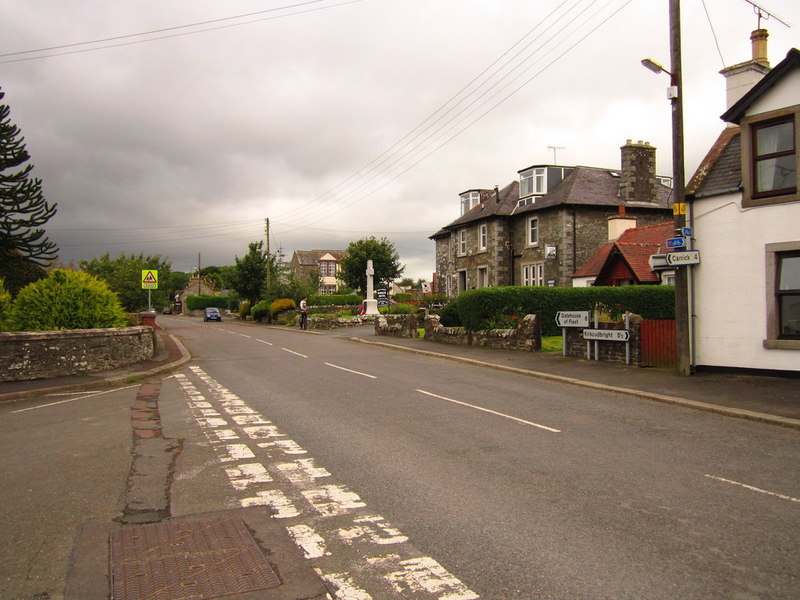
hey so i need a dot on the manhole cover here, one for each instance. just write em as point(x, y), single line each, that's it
point(194, 559)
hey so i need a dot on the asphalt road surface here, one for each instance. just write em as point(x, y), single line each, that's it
point(511, 487)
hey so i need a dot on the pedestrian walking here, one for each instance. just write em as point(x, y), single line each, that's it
point(304, 313)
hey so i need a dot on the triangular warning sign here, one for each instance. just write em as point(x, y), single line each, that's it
point(149, 278)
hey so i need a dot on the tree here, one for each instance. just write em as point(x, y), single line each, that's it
point(5, 306)
point(124, 276)
point(24, 249)
point(385, 262)
point(66, 300)
point(250, 273)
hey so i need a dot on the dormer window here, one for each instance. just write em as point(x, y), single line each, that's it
point(469, 200)
point(532, 181)
point(774, 158)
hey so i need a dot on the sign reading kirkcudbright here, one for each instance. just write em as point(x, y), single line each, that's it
point(572, 318)
point(607, 335)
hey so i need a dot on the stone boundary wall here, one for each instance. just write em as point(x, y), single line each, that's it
point(608, 351)
point(404, 326)
point(333, 322)
point(527, 336)
point(28, 355)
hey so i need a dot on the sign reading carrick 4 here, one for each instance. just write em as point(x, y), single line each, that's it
point(149, 279)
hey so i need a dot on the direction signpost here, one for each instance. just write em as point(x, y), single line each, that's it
point(570, 318)
point(607, 335)
point(681, 259)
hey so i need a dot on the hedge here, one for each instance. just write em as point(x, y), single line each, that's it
point(201, 302)
point(335, 300)
point(478, 308)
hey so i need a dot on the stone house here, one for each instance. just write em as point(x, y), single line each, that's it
point(625, 260)
point(745, 210)
point(539, 229)
point(321, 263)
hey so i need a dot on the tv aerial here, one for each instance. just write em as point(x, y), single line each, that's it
point(765, 14)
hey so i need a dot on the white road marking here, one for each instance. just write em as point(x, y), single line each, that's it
point(343, 585)
point(493, 412)
point(375, 529)
point(427, 575)
point(265, 342)
point(302, 471)
point(253, 419)
point(90, 395)
point(237, 452)
point(285, 446)
point(260, 432)
point(281, 506)
point(293, 352)
point(310, 541)
point(754, 489)
point(247, 474)
point(333, 500)
point(243, 335)
point(351, 371)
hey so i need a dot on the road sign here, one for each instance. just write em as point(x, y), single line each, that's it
point(687, 232)
point(149, 279)
point(607, 335)
point(678, 242)
point(572, 318)
point(681, 259)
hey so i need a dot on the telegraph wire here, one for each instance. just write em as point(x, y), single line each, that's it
point(166, 29)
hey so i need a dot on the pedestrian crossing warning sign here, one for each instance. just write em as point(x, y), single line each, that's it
point(149, 280)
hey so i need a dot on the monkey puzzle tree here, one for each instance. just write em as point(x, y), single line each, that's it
point(24, 249)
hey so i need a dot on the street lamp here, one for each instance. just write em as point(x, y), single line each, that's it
point(679, 212)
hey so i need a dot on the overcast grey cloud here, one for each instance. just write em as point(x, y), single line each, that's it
point(308, 115)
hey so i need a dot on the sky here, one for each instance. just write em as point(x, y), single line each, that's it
point(177, 128)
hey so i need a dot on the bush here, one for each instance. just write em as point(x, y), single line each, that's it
point(204, 301)
point(335, 300)
point(244, 309)
point(399, 309)
point(448, 315)
point(478, 308)
point(260, 310)
point(405, 298)
point(66, 300)
point(280, 305)
point(5, 306)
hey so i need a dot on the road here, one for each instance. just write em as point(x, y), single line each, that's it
point(405, 476)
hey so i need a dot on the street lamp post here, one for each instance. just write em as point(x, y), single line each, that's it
point(679, 207)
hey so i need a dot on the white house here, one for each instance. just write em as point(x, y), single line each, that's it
point(745, 210)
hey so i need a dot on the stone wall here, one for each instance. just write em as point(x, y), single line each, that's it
point(396, 325)
point(527, 336)
point(43, 354)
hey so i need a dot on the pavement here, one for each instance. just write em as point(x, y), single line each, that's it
point(768, 399)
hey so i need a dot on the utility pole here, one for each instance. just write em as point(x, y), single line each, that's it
point(199, 279)
point(679, 208)
point(266, 231)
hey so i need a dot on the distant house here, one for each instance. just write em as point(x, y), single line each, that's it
point(539, 229)
point(625, 260)
point(324, 264)
point(746, 217)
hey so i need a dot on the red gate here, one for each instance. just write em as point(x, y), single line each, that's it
point(658, 347)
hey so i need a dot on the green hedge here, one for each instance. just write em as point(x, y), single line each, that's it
point(335, 300)
point(201, 302)
point(478, 308)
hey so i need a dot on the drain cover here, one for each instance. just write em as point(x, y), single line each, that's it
point(197, 559)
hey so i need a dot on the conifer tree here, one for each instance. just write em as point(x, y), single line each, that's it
point(23, 209)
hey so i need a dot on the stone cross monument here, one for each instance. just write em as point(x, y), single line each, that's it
point(370, 304)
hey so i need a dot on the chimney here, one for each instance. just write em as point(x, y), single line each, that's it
point(619, 224)
point(740, 79)
point(638, 177)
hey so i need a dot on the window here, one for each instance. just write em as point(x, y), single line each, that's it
point(533, 274)
point(783, 295)
point(532, 181)
point(469, 200)
point(462, 242)
point(483, 277)
point(484, 236)
point(774, 158)
point(533, 232)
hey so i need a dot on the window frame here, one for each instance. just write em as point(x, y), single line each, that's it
point(461, 242)
point(532, 274)
point(528, 230)
point(774, 254)
point(534, 178)
point(483, 237)
point(750, 127)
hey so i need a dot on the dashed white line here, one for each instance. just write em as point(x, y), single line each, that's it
point(90, 395)
point(265, 342)
point(350, 370)
point(293, 352)
point(493, 412)
point(754, 489)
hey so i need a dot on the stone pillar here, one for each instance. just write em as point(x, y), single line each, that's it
point(370, 304)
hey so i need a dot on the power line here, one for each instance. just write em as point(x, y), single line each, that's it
point(167, 29)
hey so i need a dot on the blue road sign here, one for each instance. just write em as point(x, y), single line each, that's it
point(678, 242)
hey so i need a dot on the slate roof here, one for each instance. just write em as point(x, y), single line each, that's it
point(586, 186)
point(720, 172)
point(634, 246)
point(310, 257)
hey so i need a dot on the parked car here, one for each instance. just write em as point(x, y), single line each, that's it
point(212, 314)
point(166, 310)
